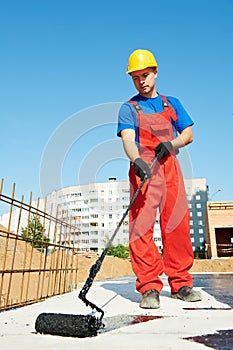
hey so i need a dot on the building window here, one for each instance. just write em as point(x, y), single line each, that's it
point(199, 213)
point(200, 222)
point(94, 223)
point(198, 197)
point(201, 230)
point(85, 209)
point(94, 215)
point(191, 222)
point(76, 194)
point(198, 205)
point(192, 239)
point(94, 200)
point(201, 239)
point(191, 230)
point(190, 205)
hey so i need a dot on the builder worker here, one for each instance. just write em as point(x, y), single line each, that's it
point(152, 125)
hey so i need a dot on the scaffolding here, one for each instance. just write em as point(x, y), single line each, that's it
point(31, 268)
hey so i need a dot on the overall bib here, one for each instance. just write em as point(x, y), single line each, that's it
point(164, 191)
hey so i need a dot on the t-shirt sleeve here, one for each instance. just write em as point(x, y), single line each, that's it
point(126, 118)
point(184, 120)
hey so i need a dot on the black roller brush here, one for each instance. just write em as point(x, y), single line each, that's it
point(80, 326)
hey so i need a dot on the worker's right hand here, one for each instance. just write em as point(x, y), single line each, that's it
point(141, 168)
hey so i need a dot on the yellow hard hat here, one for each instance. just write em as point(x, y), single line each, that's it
point(141, 59)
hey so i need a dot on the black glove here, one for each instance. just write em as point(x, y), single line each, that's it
point(141, 168)
point(163, 150)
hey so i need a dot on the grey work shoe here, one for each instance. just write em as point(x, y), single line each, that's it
point(150, 300)
point(187, 294)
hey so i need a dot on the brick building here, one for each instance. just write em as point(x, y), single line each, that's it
point(219, 229)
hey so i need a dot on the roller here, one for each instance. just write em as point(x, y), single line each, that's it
point(82, 326)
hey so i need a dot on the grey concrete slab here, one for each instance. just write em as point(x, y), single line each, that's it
point(175, 320)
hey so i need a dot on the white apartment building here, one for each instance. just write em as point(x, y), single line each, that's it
point(95, 209)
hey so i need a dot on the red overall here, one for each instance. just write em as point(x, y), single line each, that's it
point(164, 190)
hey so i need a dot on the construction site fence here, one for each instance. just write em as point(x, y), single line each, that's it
point(31, 268)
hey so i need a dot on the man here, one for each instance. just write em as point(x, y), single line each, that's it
point(152, 125)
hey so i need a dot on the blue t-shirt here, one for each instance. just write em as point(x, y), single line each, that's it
point(127, 118)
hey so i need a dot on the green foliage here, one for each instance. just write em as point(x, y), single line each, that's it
point(34, 233)
point(119, 251)
point(200, 252)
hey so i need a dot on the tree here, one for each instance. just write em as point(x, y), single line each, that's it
point(34, 233)
point(200, 253)
point(119, 251)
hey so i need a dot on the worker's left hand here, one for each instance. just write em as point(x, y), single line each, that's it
point(163, 150)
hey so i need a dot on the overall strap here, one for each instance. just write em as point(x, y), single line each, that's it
point(166, 104)
point(136, 105)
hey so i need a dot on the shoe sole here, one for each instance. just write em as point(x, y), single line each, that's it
point(149, 307)
point(178, 296)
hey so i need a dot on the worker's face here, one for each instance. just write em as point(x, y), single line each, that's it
point(144, 81)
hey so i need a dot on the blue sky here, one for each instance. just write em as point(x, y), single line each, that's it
point(63, 65)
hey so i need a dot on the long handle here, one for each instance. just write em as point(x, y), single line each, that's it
point(96, 267)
